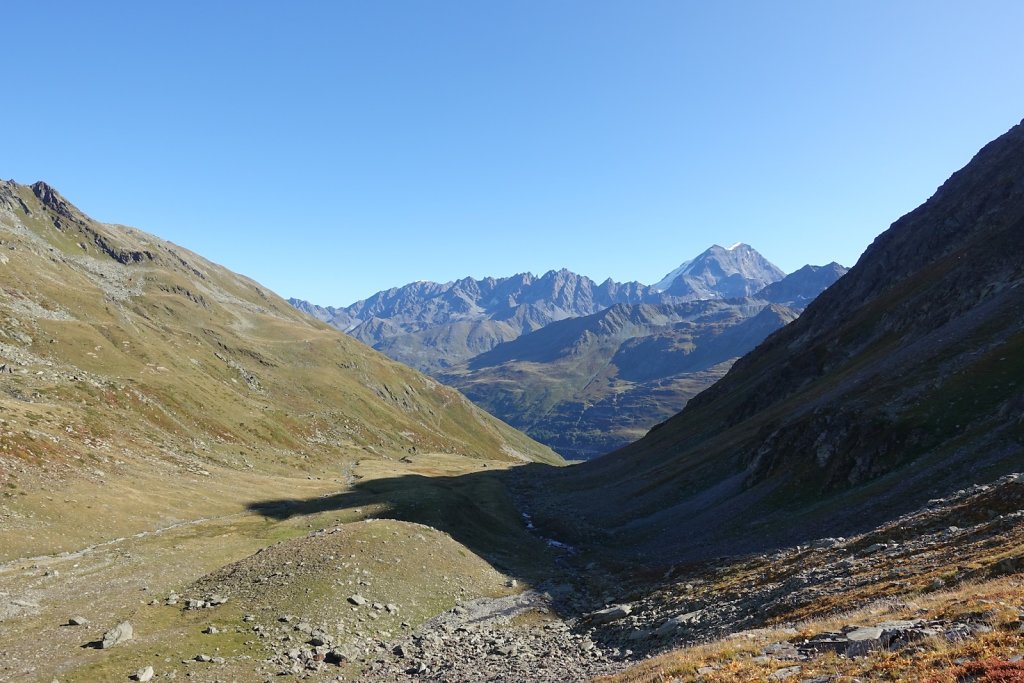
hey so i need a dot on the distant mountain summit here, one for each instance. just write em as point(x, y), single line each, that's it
point(721, 273)
point(584, 367)
point(434, 326)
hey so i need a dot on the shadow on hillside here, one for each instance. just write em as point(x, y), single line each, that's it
point(476, 509)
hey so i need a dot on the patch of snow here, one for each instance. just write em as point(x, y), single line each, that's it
point(667, 281)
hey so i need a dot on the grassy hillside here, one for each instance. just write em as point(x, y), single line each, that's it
point(125, 356)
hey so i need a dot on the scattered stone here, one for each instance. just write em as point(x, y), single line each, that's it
point(144, 674)
point(121, 633)
point(417, 669)
point(78, 621)
point(211, 630)
point(610, 614)
point(783, 674)
point(202, 658)
point(357, 599)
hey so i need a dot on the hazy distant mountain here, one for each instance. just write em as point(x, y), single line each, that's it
point(432, 326)
point(582, 367)
point(589, 385)
point(721, 273)
point(801, 286)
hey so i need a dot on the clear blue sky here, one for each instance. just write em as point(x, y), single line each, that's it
point(332, 149)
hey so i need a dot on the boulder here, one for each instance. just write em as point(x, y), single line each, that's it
point(144, 674)
point(610, 614)
point(121, 633)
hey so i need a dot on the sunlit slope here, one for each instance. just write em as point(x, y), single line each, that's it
point(118, 348)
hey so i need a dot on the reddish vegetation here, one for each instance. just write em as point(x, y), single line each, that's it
point(987, 671)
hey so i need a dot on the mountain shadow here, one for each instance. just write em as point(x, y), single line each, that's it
point(477, 509)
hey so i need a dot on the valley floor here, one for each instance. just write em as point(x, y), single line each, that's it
point(424, 569)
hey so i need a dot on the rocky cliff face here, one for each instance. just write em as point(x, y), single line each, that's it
point(899, 382)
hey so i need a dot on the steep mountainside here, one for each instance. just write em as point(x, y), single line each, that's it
point(120, 350)
point(721, 273)
point(588, 385)
point(432, 326)
point(899, 383)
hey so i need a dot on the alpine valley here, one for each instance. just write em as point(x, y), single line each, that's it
point(202, 482)
point(581, 367)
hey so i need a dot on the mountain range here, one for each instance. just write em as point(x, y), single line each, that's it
point(581, 367)
point(434, 326)
point(199, 481)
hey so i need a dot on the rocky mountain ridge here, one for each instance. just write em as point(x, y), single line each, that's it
point(433, 326)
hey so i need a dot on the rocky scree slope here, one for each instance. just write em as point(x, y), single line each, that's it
point(899, 382)
point(934, 595)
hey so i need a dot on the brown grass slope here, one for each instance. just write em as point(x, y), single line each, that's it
point(901, 381)
point(126, 358)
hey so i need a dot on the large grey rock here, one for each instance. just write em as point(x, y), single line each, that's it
point(121, 633)
point(144, 675)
